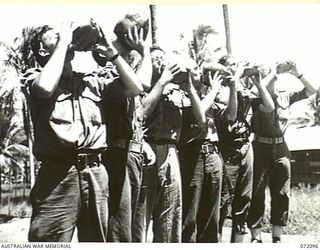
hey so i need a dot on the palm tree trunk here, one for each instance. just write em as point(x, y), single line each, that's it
point(31, 162)
point(227, 27)
point(15, 186)
point(27, 127)
point(154, 24)
point(25, 180)
point(9, 193)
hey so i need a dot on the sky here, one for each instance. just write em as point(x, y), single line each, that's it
point(259, 32)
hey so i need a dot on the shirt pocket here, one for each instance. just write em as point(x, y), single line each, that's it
point(91, 107)
point(62, 111)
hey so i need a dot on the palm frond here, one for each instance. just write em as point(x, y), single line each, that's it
point(199, 48)
point(12, 158)
point(9, 79)
point(4, 163)
point(16, 151)
point(24, 56)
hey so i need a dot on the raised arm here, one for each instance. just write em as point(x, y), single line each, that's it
point(47, 82)
point(196, 104)
point(232, 108)
point(136, 41)
point(267, 101)
point(152, 98)
point(310, 88)
point(131, 83)
point(215, 84)
point(270, 80)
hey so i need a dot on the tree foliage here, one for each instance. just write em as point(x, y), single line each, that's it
point(201, 50)
point(13, 150)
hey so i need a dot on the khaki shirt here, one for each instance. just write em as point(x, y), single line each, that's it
point(192, 131)
point(71, 119)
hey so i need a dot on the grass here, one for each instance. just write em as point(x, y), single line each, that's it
point(19, 210)
point(15, 202)
point(304, 212)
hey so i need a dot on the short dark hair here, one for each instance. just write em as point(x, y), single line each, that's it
point(35, 43)
point(29, 45)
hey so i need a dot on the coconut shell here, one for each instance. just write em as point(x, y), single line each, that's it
point(128, 22)
point(86, 36)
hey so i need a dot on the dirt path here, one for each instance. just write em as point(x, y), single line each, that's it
point(16, 231)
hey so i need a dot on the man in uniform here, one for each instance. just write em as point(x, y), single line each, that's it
point(163, 107)
point(236, 150)
point(71, 188)
point(271, 154)
point(124, 156)
point(201, 163)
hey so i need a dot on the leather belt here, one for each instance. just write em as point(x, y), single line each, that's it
point(209, 148)
point(269, 140)
point(87, 159)
point(133, 146)
point(80, 159)
point(84, 159)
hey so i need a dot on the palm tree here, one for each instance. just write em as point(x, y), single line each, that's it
point(12, 136)
point(19, 59)
point(227, 27)
point(12, 150)
point(154, 24)
point(23, 60)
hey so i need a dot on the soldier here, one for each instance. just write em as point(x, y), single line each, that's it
point(163, 107)
point(201, 163)
point(125, 154)
point(236, 150)
point(271, 154)
point(71, 188)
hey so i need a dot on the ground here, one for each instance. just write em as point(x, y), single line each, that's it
point(16, 231)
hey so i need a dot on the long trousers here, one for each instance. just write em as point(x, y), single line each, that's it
point(64, 197)
point(271, 166)
point(125, 172)
point(238, 171)
point(201, 191)
point(160, 197)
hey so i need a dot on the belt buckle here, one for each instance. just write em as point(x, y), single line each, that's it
point(135, 147)
point(205, 149)
point(82, 159)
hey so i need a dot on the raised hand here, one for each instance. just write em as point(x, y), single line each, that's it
point(105, 48)
point(66, 32)
point(135, 39)
point(284, 67)
point(168, 73)
point(238, 74)
point(294, 70)
point(215, 80)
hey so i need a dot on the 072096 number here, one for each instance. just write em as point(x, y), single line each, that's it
point(308, 245)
